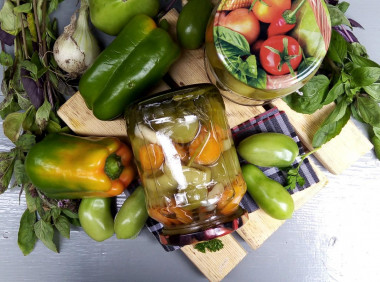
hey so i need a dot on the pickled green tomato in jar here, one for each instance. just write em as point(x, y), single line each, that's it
point(259, 53)
point(187, 163)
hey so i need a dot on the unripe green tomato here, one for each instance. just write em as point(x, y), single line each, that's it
point(192, 22)
point(269, 150)
point(268, 194)
point(132, 215)
point(96, 218)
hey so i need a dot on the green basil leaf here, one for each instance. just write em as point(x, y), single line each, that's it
point(6, 170)
point(70, 214)
point(75, 222)
point(12, 125)
point(42, 115)
point(357, 49)
point(330, 130)
point(260, 81)
point(363, 62)
point(26, 141)
point(337, 114)
point(231, 43)
point(20, 174)
point(374, 91)
point(7, 106)
point(376, 143)
point(23, 101)
point(376, 131)
point(29, 66)
point(313, 95)
point(337, 16)
point(26, 236)
point(334, 93)
point(33, 203)
point(6, 59)
point(45, 232)
point(369, 110)
point(10, 23)
point(24, 8)
point(63, 226)
point(338, 48)
point(365, 76)
point(343, 6)
point(355, 113)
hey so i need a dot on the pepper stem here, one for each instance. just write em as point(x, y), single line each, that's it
point(113, 167)
point(290, 16)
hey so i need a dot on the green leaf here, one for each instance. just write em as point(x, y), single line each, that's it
point(20, 174)
point(374, 91)
point(33, 203)
point(10, 23)
point(22, 101)
point(337, 16)
point(55, 212)
point(70, 214)
point(306, 65)
point(24, 8)
point(338, 48)
point(6, 59)
point(42, 115)
point(376, 131)
point(32, 68)
point(30, 117)
point(260, 81)
point(334, 93)
point(313, 95)
point(12, 125)
point(26, 236)
point(365, 76)
point(337, 114)
point(63, 226)
point(369, 110)
point(231, 43)
point(376, 143)
point(355, 113)
point(7, 161)
point(45, 232)
point(357, 49)
point(7, 106)
point(26, 142)
point(53, 5)
point(360, 61)
point(343, 6)
point(329, 130)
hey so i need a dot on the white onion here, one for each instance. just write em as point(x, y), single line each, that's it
point(76, 48)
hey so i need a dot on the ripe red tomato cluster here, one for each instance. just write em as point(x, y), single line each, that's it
point(279, 54)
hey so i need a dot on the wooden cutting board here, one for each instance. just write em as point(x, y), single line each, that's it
point(337, 155)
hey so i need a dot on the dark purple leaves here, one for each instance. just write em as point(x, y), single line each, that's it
point(6, 38)
point(35, 92)
point(355, 24)
point(347, 34)
point(332, 2)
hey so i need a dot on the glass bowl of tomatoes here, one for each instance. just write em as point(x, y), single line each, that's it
point(260, 50)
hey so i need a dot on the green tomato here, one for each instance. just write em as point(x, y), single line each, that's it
point(192, 22)
point(269, 195)
point(96, 218)
point(269, 149)
point(227, 167)
point(112, 15)
point(183, 130)
point(132, 215)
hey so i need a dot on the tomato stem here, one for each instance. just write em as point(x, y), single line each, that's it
point(113, 166)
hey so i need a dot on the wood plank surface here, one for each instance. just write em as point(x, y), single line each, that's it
point(336, 155)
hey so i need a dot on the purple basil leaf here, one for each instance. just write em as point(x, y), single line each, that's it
point(6, 38)
point(332, 2)
point(347, 34)
point(355, 24)
point(35, 93)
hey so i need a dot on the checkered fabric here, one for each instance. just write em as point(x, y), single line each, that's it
point(270, 121)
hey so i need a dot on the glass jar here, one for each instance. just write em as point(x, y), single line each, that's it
point(253, 56)
point(188, 164)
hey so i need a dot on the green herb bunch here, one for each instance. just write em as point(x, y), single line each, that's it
point(348, 78)
point(33, 88)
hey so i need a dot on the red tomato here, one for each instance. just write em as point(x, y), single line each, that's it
point(269, 10)
point(275, 58)
point(242, 21)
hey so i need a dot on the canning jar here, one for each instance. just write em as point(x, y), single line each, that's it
point(188, 164)
point(257, 51)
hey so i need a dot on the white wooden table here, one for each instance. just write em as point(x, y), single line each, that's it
point(334, 237)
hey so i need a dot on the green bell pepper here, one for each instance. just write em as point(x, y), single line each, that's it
point(112, 15)
point(136, 60)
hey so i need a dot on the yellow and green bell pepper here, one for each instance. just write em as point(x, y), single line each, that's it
point(64, 166)
point(136, 60)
